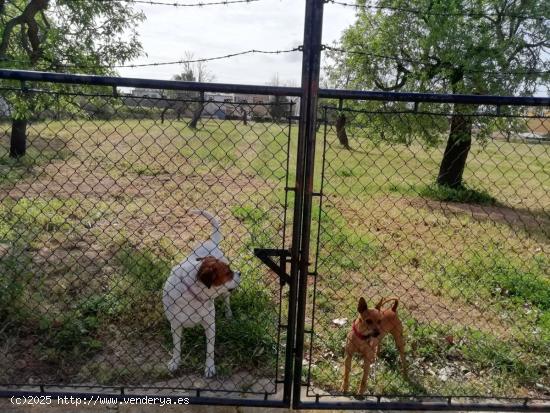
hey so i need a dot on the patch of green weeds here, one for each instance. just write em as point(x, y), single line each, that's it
point(249, 214)
point(271, 153)
point(249, 339)
point(68, 336)
point(259, 223)
point(462, 194)
point(146, 270)
point(343, 247)
point(345, 172)
point(15, 275)
point(36, 216)
point(13, 170)
point(145, 170)
point(491, 274)
point(497, 365)
point(480, 351)
point(516, 288)
point(26, 219)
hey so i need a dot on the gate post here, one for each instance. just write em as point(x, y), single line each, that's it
point(311, 68)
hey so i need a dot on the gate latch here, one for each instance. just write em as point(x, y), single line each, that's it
point(266, 255)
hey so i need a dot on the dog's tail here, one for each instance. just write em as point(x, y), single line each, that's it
point(387, 300)
point(216, 236)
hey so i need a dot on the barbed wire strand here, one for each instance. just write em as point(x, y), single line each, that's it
point(209, 59)
point(468, 13)
point(175, 62)
point(177, 4)
point(255, 51)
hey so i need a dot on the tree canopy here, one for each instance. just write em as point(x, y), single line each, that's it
point(448, 46)
point(68, 35)
point(445, 46)
point(61, 35)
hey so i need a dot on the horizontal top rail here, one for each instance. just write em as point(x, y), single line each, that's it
point(26, 75)
point(31, 76)
point(434, 97)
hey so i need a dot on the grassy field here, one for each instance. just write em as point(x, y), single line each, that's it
point(91, 222)
point(96, 214)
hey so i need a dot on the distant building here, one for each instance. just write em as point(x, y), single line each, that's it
point(259, 106)
point(218, 105)
point(5, 109)
point(146, 93)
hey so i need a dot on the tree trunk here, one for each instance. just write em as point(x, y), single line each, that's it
point(18, 144)
point(163, 113)
point(341, 130)
point(456, 152)
point(245, 117)
point(197, 113)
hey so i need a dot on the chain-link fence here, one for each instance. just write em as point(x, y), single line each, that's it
point(446, 209)
point(114, 281)
point(97, 211)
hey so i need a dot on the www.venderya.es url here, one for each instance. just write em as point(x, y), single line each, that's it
point(96, 400)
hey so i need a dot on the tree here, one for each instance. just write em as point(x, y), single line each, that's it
point(341, 133)
point(448, 46)
point(280, 105)
point(193, 72)
point(178, 105)
point(63, 35)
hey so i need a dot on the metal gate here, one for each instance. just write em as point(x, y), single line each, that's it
point(99, 208)
point(469, 265)
point(467, 259)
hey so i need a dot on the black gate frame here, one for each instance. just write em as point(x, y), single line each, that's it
point(382, 402)
point(31, 81)
point(303, 211)
point(299, 254)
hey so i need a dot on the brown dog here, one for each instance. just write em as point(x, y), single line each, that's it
point(367, 330)
point(390, 323)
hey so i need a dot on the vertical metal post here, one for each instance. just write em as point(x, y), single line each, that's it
point(311, 68)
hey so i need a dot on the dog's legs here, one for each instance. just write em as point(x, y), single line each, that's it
point(378, 347)
point(228, 312)
point(210, 332)
point(366, 370)
point(367, 361)
point(347, 368)
point(397, 334)
point(176, 354)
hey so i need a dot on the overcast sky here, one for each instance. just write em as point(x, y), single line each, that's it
point(212, 31)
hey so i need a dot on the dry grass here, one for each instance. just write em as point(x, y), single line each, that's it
point(112, 201)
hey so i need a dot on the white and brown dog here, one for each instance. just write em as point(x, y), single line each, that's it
point(190, 290)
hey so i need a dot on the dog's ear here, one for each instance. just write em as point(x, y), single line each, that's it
point(213, 272)
point(207, 272)
point(362, 305)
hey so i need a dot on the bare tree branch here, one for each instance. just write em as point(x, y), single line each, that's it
point(398, 84)
point(28, 17)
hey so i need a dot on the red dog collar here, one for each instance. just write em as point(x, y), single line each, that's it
point(358, 334)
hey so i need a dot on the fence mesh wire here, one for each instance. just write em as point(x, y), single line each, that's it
point(97, 212)
point(469, 265)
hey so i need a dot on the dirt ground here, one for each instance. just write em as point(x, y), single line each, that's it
point(150, 207)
